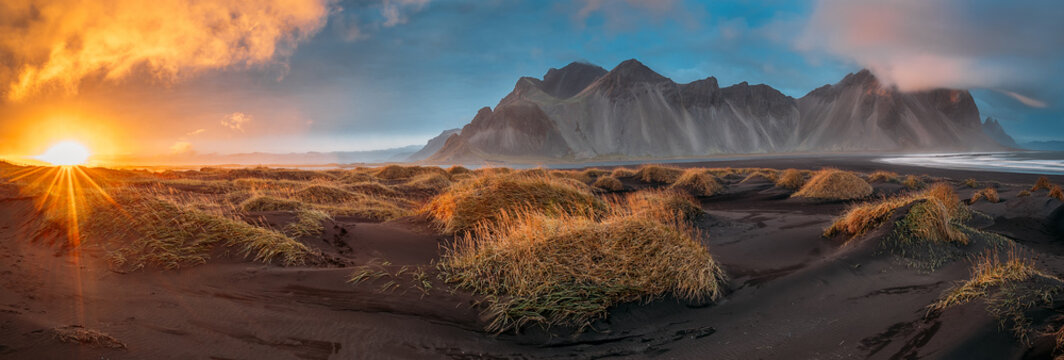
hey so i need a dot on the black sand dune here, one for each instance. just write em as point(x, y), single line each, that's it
point(791, 294)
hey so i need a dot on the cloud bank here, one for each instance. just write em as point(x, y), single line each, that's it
point(920, 44)
point(58, 44)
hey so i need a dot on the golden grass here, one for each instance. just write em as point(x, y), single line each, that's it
point(160, 233)
point(608, 183)
point(398, 172)
point(883, 176)
point(472, 201)
point(76, 334)
point(990, 194)
point(658, 204)
point(324, 194)
point(697, 182)
point(431, 182)
point(930, 220)
point(657, 174)
point(723, 172)
point(586, 176)
point(1056, 193)
point(770, 175)
point(969, 182)
point(622, 172)
point(860, 218)
point(791, 179)
point(371, 188)
point(1011, 285)
point(912, 182)
point(1042, 184)
point(834, 184)
point(568, 270)
point(458, 170)
point(269, 203)
point(1023, 193)
point(308, 223)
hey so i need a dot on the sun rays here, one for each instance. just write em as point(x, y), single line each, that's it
point(63, 195)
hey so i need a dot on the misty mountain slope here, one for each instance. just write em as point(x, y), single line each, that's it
point(433, 145)
point(860, 114)
point(633, 112)
point(993, 129)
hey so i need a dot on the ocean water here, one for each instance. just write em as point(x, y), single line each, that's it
point(1025, 162)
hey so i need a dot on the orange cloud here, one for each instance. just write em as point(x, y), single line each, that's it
point(57, 44)
point(181, 147)
point(236, 121)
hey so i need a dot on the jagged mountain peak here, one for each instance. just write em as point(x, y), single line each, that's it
point(634, 71)
point(571, 79)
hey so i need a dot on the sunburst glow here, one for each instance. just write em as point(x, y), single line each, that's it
point(65, 153)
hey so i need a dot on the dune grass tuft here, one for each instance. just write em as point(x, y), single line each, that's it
point(1056, 193)
point(371, 188)
point(697, 182)
point(883, 176)
point(657, 174)
point(769, 175)
point(568, 270)
point(324, 194)
point(834, 184)
point(1023, 193)
point(860, 218)
point(398, 172)
point(970, 182)
point(308, 223)
point(913, 182)
point(431, 182)
point(160, 233)
point(990, 194)
point(608, 183)
point(269, 203)
point(622, 172)
point(659, 204)
point(472, 201)
point(1042, 184)
point(458, 170)
point(1011, 284)
point(791, 179)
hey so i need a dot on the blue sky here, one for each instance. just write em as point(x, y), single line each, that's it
point(384, 73)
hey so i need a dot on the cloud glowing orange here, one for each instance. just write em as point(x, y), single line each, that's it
point(57, 44)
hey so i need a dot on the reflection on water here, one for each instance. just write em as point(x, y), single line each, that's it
point(1027, 162)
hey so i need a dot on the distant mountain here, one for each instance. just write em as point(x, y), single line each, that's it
point(433, 145)
point(993, 129)
point(1054, 145)
point(257, 158)
point(582, 111)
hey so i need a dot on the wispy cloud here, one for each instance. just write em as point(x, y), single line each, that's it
point(1035, 103)
point(627, 15)
point(236, 121)
point(918, 45)
point(196, 132)
point(181, 147)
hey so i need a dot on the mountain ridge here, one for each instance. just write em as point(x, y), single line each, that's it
point(632, 111)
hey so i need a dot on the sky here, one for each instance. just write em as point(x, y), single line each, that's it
point(231, 76)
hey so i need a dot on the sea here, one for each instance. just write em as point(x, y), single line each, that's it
point(1025, 162)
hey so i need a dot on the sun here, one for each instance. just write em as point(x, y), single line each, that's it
point(65, 153)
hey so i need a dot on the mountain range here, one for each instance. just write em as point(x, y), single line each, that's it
point(584, 112)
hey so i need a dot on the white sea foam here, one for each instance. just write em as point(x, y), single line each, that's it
point(1050, 163)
